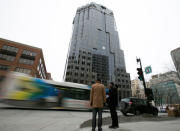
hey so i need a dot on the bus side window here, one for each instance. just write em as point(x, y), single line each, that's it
point(87, 95)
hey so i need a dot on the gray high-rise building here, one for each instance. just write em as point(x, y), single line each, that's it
point(94, 50)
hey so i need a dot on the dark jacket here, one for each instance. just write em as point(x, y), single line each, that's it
point(113, 97)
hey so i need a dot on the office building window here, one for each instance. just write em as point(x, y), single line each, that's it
point(7, 57)
point(82, 74)
point(89, 58)
point(4, 67)
point(81, 81)
point(10, 48)
point(67, 73)
point(77, 67)
point(76, 74)
point(26, 61)
point(29, 53)
point(69, 67)
point(23, 70)
point(67, 79)
point(93, 77)
point(75, 80)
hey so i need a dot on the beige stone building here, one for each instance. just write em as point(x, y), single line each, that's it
point(137, 89)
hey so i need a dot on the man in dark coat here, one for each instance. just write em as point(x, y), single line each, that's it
point(112, 103)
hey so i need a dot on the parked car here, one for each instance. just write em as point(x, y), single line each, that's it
point(137, 106)
point(162, 109)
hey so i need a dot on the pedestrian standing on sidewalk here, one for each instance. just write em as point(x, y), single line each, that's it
point(97, 100)
point(112, 103)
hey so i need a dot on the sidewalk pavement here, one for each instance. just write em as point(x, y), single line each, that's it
point(172, 125)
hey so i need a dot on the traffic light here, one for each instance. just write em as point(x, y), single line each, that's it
point(140, 73)
point(149, 94)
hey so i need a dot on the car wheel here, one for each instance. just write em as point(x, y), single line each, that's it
point(122, 105)
point(155, 113)
point(137, 112)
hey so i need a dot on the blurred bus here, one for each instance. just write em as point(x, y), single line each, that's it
point(20, 90)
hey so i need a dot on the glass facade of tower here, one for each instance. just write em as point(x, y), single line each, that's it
point(166, 93)
point(94, 50)
point(166, 88)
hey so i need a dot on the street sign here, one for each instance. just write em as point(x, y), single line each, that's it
point(148, 70)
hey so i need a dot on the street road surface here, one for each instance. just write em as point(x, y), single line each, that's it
point(12, 119)
point(42, 120)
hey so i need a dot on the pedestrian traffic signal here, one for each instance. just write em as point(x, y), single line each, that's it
point(140, 73)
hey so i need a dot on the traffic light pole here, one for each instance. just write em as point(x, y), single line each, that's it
point(147, 91)
point(144, 83)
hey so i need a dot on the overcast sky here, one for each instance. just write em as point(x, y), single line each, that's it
point(148, 29)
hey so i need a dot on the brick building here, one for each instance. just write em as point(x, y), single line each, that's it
point(23, 58)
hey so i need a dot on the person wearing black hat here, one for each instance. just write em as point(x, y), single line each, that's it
point(112, 103)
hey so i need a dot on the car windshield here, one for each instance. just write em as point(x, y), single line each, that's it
point(125, 100)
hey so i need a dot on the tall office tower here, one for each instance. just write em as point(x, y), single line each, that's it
point(94, 50)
